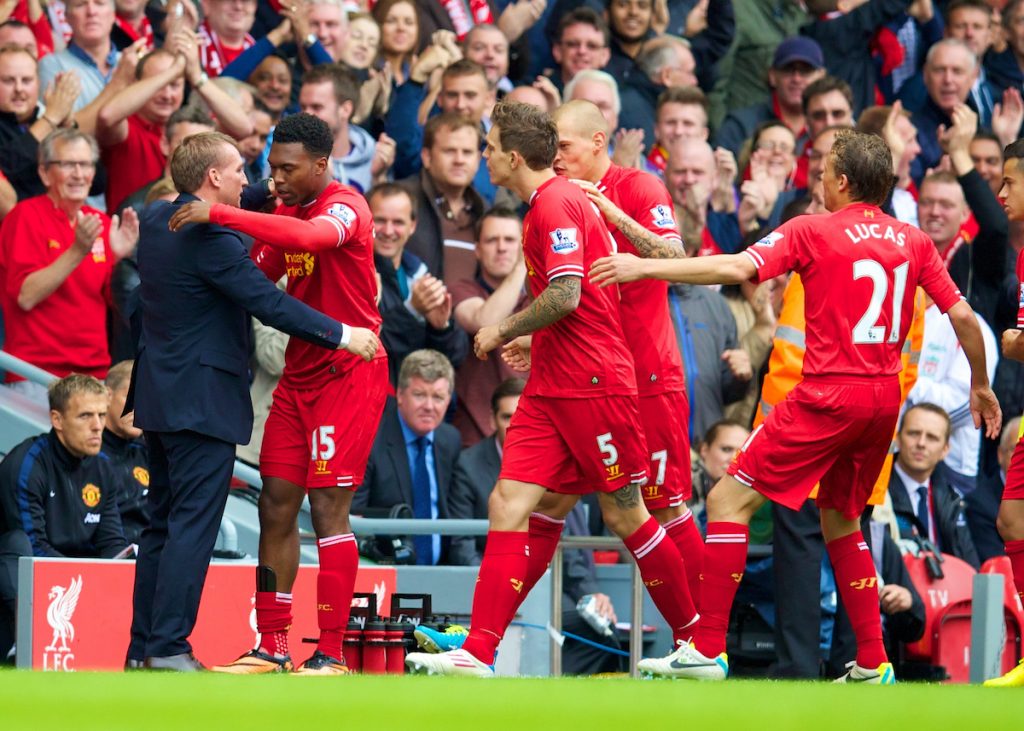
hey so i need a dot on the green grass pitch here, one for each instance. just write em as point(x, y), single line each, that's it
point(83, 701)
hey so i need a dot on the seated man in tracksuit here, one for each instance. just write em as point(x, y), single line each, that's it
point(58, 494)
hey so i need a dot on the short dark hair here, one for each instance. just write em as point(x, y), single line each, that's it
point(682, 95)
point(931, 409)
point(584, 16)
point(498, 211)
point(60, 392)
point(451, 121)
point(508, 387)
point(390, 190)
point(972, 4)
point(465, 67)
point(528, 131)
point(307, 130)
point(866, 161)
point(989, 136)
point(823, 86)
point(712, 433)
point(1015, 151)
point(346, 88)
point(188, 114)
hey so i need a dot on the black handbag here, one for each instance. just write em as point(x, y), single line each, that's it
point(388, 549)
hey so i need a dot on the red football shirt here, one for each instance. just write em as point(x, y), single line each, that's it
point(585, 353)
point(645, 318)
point(329, 263)
point(860, 269)
point(67, 331)
point(136, 162)
point(1020, 291)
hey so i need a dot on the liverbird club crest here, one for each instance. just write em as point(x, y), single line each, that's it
point(58, 655)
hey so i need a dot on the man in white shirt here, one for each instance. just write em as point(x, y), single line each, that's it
point(944, 379)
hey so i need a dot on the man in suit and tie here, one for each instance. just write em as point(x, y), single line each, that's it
point(923, 498)
point(414, 453)
point(190, 388)
point(476, 473)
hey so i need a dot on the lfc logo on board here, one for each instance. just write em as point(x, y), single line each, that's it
point(63, 600)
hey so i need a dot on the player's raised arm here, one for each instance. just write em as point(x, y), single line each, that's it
point(322, 232)
point(719, 269)
point(559, 298)
point(984, 406)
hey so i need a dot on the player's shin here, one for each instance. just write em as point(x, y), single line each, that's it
point(683, 532)
point(499, 586)
point(273, 613)
point(725, 558)
point(339, 561)
point(662, 571)
point(857, 581)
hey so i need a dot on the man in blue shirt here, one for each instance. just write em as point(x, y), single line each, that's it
point(413, 456)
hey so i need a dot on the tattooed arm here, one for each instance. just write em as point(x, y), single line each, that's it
point(648, 244)
point(561, 297)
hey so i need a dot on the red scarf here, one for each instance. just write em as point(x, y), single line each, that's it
point(657, 158)
point(464, 16)
point(213, 55)
point(146, 32)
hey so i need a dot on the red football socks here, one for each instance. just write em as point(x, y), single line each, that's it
point(661, 568)
point(499, 586)
point(273, 618)
point(683, 532)
point(725, 558)
point(1015, 551)
point(857, 581)
point(545, 533)
point(335, 582)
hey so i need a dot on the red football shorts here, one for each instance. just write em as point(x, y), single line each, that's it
point(322, 437)
point(666, 420)
point(1014, 489)
point(833, 430)
point(575, 446)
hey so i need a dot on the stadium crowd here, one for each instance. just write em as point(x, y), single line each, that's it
point(733, 105)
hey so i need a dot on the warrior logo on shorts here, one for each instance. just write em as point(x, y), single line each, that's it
point(343, 213)
point(614, 471)
point(662, 216)
point(652, 492)
point(563, 240)
point(868, 583)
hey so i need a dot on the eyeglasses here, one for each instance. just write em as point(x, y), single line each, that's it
point(68, 166)
point(784, 147)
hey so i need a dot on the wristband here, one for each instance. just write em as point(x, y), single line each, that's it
point(346, 335)
point(203, 78)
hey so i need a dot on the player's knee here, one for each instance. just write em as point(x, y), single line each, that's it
point(731, 502)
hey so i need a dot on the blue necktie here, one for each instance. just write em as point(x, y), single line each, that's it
point(922, 511)
point(421, 502)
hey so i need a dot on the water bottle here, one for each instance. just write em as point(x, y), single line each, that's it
point(587, 607)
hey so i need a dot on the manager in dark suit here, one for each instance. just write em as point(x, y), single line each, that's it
point(414, 452)
point(190, 388)
point(476, 473)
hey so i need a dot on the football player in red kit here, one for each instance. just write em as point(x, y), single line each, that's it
point(577, 428)
point(327, 405)
point(860, 269)
point(1011, 510)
